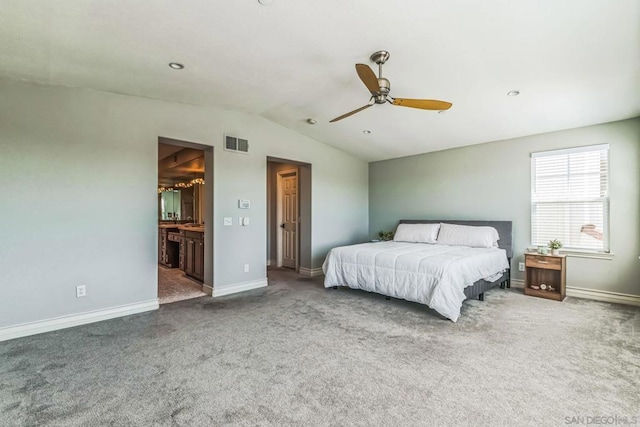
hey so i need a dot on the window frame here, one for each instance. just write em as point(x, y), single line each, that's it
point(604, 199)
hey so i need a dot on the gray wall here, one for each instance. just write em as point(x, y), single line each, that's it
point(492, 181)
point(63, 154)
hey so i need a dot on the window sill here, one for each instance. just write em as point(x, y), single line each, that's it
point(593, 255)
point(581, 254)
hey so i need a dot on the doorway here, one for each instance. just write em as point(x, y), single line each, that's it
point(185, 212)
point(288, 215)
point(287, 244)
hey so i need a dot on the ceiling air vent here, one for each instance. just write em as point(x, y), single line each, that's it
point(238, 145)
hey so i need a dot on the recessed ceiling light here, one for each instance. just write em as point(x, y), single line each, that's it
point(513, 93)
point(311, 121)
point(366, 131)
point(176, 65)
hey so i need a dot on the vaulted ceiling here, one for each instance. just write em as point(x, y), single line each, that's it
point(574, 62)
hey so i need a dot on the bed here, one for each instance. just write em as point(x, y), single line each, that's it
point(437, 274)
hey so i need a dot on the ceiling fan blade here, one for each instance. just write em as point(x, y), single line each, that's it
point(344, 116)
point(425, 104)
point(368, 77)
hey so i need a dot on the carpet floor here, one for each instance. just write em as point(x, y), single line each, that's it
point(174, 286)
point(294, 353)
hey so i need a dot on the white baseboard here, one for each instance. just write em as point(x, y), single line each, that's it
point(311, 272)
point(239, 287)
point(272, 263)
point(605, 296)
point(48, 325)
point(517, 283)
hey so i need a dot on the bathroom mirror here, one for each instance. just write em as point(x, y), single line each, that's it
point(180, 184)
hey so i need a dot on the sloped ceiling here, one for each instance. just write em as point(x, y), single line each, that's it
point(574, 62)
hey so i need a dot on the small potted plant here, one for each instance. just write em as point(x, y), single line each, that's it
point(386, 235)
point(555, 246)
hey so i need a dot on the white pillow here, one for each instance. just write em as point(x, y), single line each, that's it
point(417, 233)
point(466, 235)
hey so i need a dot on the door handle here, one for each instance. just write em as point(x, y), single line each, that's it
point(281, 225)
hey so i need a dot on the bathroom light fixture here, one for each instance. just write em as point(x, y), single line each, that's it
point(176, 65)
point(197, 181)
point(513, 93)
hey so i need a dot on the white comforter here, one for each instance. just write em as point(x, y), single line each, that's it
point(435, 275)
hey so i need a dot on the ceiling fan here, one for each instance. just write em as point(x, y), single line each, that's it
point(380, 87)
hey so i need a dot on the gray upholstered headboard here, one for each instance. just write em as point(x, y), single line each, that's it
point(504, 228)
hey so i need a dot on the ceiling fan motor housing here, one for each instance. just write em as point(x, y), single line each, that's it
point(385, 87)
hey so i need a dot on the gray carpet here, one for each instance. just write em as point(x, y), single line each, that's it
point(297, 354)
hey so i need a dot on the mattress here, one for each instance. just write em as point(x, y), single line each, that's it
point(435, 275)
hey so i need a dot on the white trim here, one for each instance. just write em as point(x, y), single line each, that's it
point(239, 287)
point(311, 272)
point(279, 244)
point(62, 322)
point(207, 289)
point(575, 253)
point(592, 255)
point(582, 149)
point(592, 294)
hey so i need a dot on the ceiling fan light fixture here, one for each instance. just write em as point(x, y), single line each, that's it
point(176, 65)
point(513, 93)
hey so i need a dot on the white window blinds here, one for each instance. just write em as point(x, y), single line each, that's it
point(570, 198)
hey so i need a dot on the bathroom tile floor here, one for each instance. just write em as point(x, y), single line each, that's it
point(174, 286)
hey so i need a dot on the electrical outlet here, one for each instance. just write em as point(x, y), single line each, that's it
point(81, 291)
point(246, 268)
point(521, 266)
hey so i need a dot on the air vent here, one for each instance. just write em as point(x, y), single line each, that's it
point(235, 144)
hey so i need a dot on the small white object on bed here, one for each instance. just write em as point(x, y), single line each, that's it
point(431, 274)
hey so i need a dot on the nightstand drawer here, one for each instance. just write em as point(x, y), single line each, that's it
point(548, 262)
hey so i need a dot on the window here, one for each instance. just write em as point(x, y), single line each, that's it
point(570, 198)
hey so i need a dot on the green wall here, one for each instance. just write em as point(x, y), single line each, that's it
point(65, 151)
point(492, 181)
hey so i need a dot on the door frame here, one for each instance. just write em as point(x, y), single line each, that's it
point(279, 214)
point(208, 206)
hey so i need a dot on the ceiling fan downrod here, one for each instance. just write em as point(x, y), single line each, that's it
point(384, 85)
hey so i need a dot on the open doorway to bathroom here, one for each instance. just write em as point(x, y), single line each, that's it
point(289, 215)
point(185, 205)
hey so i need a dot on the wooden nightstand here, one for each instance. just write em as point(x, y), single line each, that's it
point(545, 271)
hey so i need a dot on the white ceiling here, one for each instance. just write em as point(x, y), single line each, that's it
point(575, 62)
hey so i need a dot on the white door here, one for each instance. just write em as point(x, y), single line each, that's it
point(289, 225)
